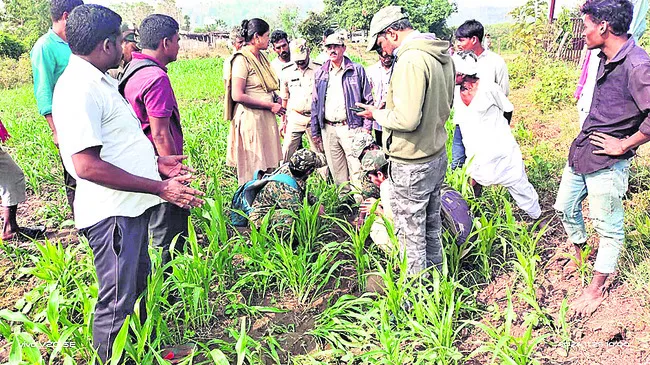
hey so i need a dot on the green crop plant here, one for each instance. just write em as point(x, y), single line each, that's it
point(308, 227)
point(434, 318)
point(357, 244)
point(505, 347)
point(347, 323)
point(193, 279)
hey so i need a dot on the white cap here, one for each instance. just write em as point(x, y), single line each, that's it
point(465, 63)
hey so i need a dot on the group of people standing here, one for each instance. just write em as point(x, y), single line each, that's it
point(121, 140)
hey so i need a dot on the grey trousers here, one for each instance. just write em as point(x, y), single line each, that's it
point(12, 181)
point(415, 200)
point(122, 263)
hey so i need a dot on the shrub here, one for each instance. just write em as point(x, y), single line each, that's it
point(556, 82)
point(14, 73)
point(10, 47)
point(521, 70)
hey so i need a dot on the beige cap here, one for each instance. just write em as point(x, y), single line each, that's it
point(299, 49)
point(384, 17)
point(334, 39)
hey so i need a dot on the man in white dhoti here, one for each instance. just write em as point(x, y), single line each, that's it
point(493, 155)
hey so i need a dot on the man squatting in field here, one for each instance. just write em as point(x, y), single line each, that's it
point(283, 198)
point(118, 174)
point(418, 104)
point(491, 67)
point(49, 57)
point(599, 157)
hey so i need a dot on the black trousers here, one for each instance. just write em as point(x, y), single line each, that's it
point(122, 264)
point(70, 187)
point(378, 136)
point(166, 223)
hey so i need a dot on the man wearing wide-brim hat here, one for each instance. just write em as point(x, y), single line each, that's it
point(418, 104)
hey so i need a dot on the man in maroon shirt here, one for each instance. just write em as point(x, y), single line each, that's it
point(599, 158)
point(146, 85)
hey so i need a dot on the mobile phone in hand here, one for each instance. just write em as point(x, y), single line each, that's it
point(356, 109)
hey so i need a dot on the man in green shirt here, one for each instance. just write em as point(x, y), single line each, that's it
point(49, 58)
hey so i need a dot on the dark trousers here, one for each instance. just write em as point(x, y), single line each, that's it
point(168, 221)
point(120, 247)
point(70, 187)
point(378, 138)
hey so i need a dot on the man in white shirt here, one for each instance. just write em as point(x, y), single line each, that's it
point(280, 42)
point(118, 175)
point(379, 75)
point(491, 66)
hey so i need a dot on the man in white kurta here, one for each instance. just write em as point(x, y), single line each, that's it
point(493, 155)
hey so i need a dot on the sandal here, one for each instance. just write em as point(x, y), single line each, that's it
point(30, 233)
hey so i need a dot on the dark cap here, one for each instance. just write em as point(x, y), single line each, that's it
point(305, 160)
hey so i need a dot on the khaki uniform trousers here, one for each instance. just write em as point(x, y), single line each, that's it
point(337, 143)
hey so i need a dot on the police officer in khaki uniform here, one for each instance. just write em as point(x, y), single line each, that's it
point(296, 86)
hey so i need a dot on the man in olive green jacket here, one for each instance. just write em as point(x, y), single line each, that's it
point(418, 104)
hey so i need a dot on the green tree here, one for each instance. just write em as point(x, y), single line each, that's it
point(425, 15)
point(133, 13)
point(169, 7)
point(218, 26)
point(187, 24)
point(287, 19)
point(312, 28)
point(26, 19)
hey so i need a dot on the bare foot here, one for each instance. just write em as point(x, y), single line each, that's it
point(575, 261)
point(588, 302)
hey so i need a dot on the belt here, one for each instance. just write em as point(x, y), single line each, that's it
point(343, 122)
point(304, 114)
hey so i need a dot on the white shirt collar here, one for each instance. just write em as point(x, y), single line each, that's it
point(85, 69)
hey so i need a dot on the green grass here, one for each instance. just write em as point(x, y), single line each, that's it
point(229, 282)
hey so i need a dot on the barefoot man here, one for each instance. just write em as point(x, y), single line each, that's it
point(599, 158)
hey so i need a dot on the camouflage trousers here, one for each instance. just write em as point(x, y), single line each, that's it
point(415, 200)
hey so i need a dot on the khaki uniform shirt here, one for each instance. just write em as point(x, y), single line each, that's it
point(334, 98)
point(296, 86)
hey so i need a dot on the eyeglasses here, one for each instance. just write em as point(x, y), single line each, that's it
point(301, 63)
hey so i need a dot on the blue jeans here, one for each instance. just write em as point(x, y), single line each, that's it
point(457, 150)
point(606, 189)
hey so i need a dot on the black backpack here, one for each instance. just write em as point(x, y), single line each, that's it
point(131, 69)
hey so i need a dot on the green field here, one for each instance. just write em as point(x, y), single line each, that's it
point(256, 298)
